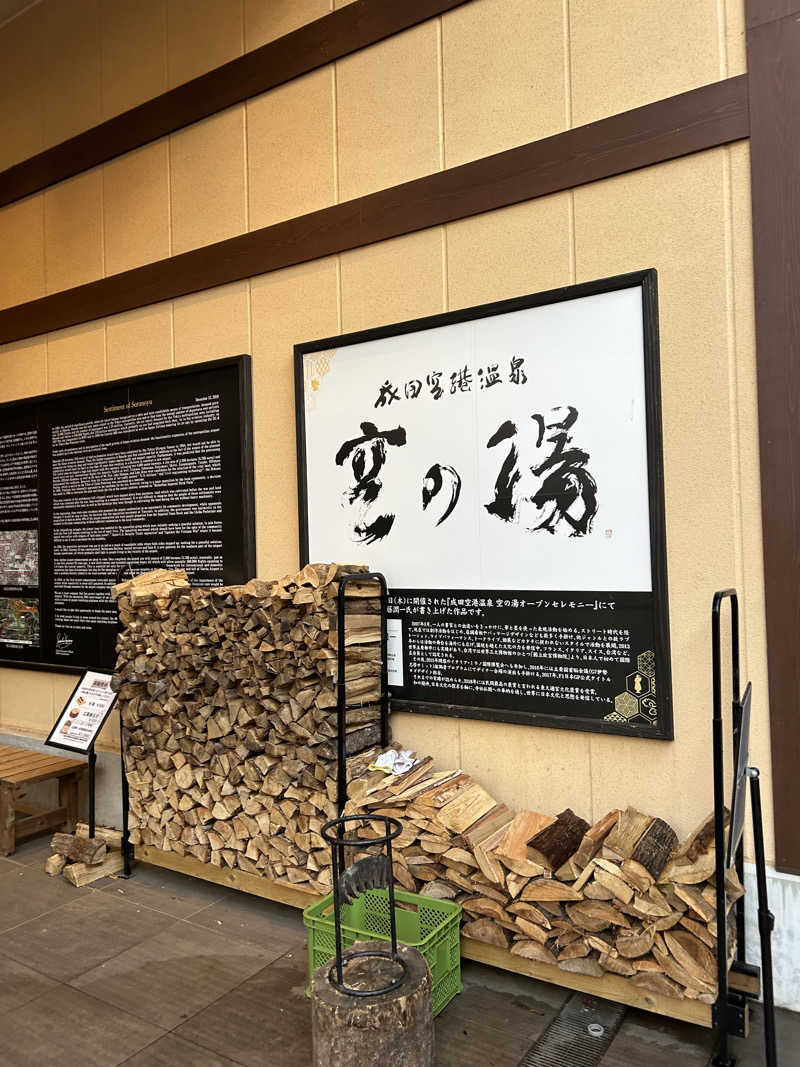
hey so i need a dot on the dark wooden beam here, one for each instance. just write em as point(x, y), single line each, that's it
point(761, 11)
point(773, 53)
point(703, 118)
point(331, 37)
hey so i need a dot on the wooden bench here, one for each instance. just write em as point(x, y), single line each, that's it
point(22, 767)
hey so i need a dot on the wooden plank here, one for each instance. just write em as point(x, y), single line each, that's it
point(667, 129)
point(34, 821)
point(316, 44)
point(80, 874)
point(773, 50)
point(610, 986)
point(293, 895)
point(761, 11)
point(19, 758)
point(44, 772)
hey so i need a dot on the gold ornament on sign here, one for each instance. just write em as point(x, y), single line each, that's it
point(637, 705)
point(314, 370)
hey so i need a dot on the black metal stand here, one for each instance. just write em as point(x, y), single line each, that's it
point(730, 1007)
point(373, 878)
point(92, 788)
point(341, 681)
point(127, 848)
point(124, 574)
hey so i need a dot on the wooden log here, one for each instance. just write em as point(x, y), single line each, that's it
point(553, 845)
point(393, 1028)
point(653, 848)
point(80, 874)
point(55, 865)
point(88, 850)
point(623, 838)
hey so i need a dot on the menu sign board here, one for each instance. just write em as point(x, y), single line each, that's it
point(134, 475)
point(84, 714)
point(502, 467)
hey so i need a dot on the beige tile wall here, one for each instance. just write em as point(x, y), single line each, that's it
point(404, 107)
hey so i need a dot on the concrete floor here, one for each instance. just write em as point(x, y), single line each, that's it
point(167, 971)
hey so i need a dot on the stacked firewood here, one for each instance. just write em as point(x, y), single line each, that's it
point(228, 699)
point(82, 859)
point(620, 897)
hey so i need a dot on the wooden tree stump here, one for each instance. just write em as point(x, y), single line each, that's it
point(395, 1028)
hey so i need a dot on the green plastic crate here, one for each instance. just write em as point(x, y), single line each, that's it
point(432, 926)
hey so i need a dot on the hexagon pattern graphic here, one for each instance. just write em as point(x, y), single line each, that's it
point(637, 705)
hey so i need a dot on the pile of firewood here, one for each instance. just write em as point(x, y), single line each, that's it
point(228, 700)
point(622, 896)
point(83, 859)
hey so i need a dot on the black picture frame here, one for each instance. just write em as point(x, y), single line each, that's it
point(647, 280)
point(71, 748)
point(241, 366)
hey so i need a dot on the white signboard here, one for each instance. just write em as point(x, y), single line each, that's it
point(502, 463)
point(84, 713)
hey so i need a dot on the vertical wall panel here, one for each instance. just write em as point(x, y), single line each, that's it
point(264, 20)
point(201, 35)
point(212, 324)
point(71, 74)
point(503, 85)
point(22, 241)
point(76, 357)
point(139, 342)
point(521, 249)
point(290, 149)
point(134, 53)
point(73, 231)
point(136, 217)
point(23, 369)
point(625, 53)
point(208, 185)
point(388, 112)
point(289, 306)
point(392, 281)
point(21, 87)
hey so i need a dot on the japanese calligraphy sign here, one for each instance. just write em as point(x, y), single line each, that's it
point(83, 716)
point(501, 466)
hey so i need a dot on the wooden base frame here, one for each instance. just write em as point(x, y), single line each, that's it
point(609, 987)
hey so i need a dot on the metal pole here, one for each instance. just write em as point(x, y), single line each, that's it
point(384, 661)
point(341, 702)
point(722, 1058)
point(337, 918)
point(126, 834)
point(766, 920)
point(92, 763)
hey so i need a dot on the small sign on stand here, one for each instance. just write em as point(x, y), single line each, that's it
point(83, 717)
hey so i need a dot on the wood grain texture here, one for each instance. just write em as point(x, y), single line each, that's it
point(762, 11)
point(322, 41)
point(774, 62)
point(690, 122)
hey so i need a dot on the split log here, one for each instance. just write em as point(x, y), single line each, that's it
point(553, 845)
point(55, 865)
point(653, 848)
point(88, 850)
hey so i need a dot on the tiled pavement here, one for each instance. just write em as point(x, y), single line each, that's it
point(167, 971)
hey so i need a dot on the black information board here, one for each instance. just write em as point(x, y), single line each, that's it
point(502, 467)
point(153, 471)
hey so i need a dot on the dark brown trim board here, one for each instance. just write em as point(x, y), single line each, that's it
point(773, 50)
point(690, 122)
point(761, 11)
point(351, 28)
